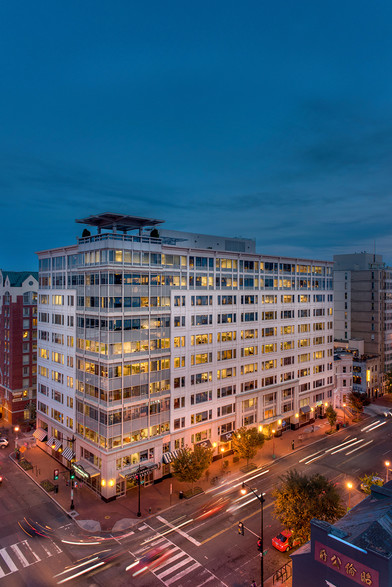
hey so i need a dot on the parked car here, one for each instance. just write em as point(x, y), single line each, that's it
point(3, 442)
point(284, 541)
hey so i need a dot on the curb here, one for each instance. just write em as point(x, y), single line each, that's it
point(38, 485)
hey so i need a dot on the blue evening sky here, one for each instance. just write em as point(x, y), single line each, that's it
point(269, 120)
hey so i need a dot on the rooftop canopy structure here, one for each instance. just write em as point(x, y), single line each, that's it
point(111, 221)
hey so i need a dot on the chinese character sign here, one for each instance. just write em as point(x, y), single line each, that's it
point(346, 566)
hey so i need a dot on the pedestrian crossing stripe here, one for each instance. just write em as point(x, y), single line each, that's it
point(21, 555)
point(169, 573)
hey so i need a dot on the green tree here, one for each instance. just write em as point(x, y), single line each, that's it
point(246, 442)
point(331, 416)
point(190, 465)
point(388, 382)
point(368, 480)
point(300, 498)
point(356, 401)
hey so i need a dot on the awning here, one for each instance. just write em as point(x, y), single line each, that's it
point(226, 437)
point(305, 409)
point(40, 434)
point(85, 469)
point(68, 453)
point(204, 444)
point(142, 470)
point(54, 441)
point(169, 457)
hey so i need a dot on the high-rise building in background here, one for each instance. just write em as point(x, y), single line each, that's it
point(18, 348)
point(363, 306)
point(157, 340)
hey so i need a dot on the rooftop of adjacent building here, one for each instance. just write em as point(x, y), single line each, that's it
point(16, 278)
point(362, 261)
point(368, 525)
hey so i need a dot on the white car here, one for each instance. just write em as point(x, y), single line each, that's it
point(3, 442)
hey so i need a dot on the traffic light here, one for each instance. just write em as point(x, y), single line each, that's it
point(260, 545)
point(72, 474)
point(240, 528)
point(56, 474)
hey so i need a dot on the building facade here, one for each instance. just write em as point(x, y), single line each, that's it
point(18, 349)
point(148, 344)
point(363, 304)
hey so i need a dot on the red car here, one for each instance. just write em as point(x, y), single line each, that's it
point(284, 541)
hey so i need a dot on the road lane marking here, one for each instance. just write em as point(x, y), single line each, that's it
point(175, 529)
point(27, 545)
point(8, 560)
point(182, 574)
point(171, 568)
point(15, 548)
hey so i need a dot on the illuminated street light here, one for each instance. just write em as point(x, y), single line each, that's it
point(349, 487)
point(261, 499)
point(344, 414)
point(16, 430)
point(273, 443)
point(387, 465)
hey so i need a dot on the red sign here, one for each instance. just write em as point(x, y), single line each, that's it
point(346, 566)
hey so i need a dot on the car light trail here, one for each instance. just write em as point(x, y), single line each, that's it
point(312, 455)
point(341, 444)
point(377, 425)
point(314, 459)
point(359, 447)
point(173, 529)
point(346, 447)
point(132, 565)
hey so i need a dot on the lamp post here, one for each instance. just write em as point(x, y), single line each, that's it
point(139, 513)
point(261, 499)
point(387, 465)
point(16, 430)
point(349, 487)
point(273, 443)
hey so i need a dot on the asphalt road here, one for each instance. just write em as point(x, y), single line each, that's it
point(196, 542)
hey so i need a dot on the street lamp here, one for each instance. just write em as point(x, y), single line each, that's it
point(349, 487)
point(344, 414)
point(387, 464)
point(16, 430)
point(273, 443)
point(139, 513)
point(261, 499)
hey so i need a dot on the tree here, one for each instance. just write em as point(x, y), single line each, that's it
point(86, 233)
point(300, 498)
point(388, 382)
point(190, 465)
point(356, 401)
point(246, 442)
point(368, 480)
point(331, 416)
point(154, 233)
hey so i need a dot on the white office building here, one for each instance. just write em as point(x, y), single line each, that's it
point(153, 340)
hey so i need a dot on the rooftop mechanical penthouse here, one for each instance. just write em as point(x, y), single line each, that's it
point(152, 340)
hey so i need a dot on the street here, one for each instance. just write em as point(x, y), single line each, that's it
point(193, 543)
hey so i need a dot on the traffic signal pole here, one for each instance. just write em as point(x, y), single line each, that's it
point(72, 495)
point(139, 513)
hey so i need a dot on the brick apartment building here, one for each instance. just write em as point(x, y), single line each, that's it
point(18, 347)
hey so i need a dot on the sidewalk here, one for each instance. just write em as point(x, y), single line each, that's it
point(94, 515)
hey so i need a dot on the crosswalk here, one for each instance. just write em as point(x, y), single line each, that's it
point(179, 569)
point(21, 555)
